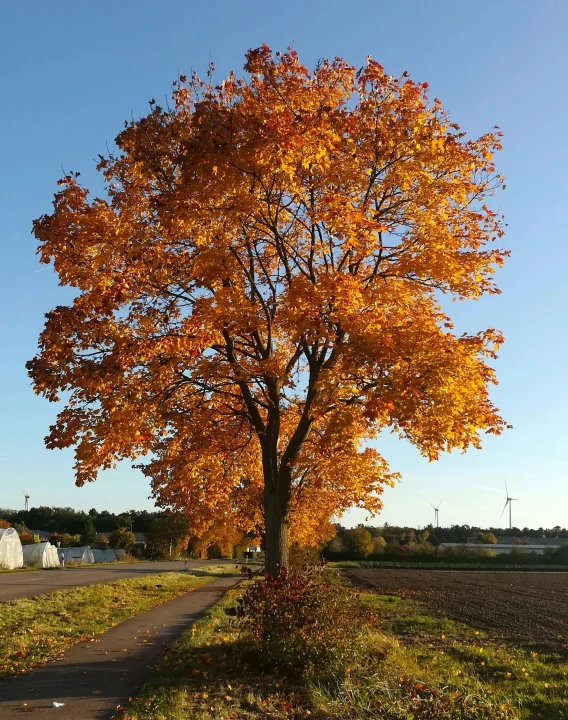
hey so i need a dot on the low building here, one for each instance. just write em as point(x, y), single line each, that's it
point(139, 538)
point(501, 548)
point(548, 542)
point(44, 535)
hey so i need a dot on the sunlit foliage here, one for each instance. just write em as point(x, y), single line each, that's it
point(258, 294)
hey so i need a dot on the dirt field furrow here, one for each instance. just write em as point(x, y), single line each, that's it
point(526, 608)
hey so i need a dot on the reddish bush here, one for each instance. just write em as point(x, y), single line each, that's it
point(302, 621)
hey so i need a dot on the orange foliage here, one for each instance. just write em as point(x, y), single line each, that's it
point(222, 534)
point(27, 538)
point(258, 295)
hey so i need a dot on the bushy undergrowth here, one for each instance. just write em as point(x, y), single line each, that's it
point(303, 622)
point(414, 667)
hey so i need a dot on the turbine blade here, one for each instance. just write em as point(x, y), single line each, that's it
point(441, 501)
point(506, 488)
point(504, 508)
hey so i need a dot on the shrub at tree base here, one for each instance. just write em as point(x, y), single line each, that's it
point(302, 622)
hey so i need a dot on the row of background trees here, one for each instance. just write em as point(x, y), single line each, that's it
point(387, 540)
point(67, 520)
point(166, 534)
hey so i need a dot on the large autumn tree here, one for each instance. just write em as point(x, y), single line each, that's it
point(258, 294)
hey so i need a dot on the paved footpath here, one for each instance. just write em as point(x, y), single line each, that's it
point(97, 676)
point(24, 584)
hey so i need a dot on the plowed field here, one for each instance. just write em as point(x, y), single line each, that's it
point(519, 607)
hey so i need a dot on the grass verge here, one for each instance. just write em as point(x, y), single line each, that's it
point(37, 629)
point(418, 667)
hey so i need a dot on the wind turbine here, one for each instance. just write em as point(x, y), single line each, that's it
point(436, 512)
point(27, 497)
point(508, 502)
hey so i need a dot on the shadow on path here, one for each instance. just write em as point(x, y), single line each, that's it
point(97, 676)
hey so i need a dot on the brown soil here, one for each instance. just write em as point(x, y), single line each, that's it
point(519, 607)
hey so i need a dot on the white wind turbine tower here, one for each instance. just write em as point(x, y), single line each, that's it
point(436, 508)
point(508, 502)
point(27, 497)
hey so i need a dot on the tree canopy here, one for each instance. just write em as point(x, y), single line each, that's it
point(258, 294)
point(122, 538)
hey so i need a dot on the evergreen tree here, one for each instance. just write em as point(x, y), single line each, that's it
point(89, 534)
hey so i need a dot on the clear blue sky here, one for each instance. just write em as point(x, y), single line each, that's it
point(71, 74)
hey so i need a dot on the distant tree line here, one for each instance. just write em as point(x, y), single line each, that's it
point(393, 541)
point(72, 522)
point(167, 534)
point(165, 531)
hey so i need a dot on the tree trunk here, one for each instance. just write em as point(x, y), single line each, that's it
point(276, 520)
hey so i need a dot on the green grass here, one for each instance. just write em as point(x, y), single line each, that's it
point(37, 629)
point(534, 685)
point(417, 667)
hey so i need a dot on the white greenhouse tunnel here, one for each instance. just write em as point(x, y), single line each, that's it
point(11, 553)
point(45, 555)
point(102, 556)
point(42, 555)
point(76, 555)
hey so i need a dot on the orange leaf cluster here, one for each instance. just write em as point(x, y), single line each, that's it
point(258, 294)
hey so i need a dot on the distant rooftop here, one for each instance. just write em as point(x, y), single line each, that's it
point(510, 540)
point(43, 534)
point(139, 537)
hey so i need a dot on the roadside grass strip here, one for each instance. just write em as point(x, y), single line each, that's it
point(416, 667)
point(38, 629)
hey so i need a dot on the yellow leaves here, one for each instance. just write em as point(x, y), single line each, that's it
point(272, 231)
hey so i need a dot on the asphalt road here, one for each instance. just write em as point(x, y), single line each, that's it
point(36, 582)
point(94, 677)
